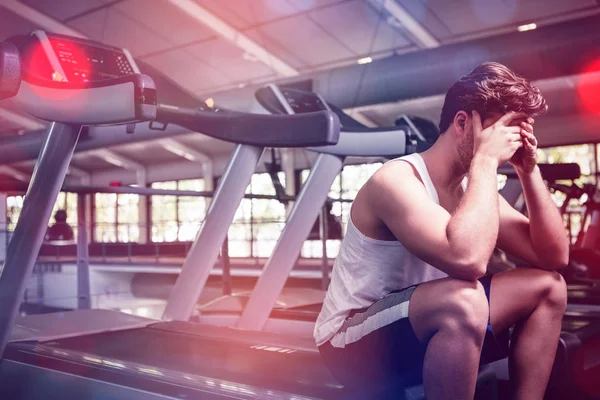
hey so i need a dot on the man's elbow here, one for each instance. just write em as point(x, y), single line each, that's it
point(471, 269)
point(559, 263)
point(555, 262)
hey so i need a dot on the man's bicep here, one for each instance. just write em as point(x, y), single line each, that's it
point(417, 222)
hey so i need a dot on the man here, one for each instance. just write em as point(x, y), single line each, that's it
point(61, 230)
point(408, 291)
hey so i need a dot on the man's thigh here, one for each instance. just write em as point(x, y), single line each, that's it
point(516, 293)
point(434, 301)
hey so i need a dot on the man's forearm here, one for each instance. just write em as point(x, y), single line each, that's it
point(546, 229)
point(473, 228)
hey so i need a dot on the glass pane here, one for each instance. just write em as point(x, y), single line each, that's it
point(128, 208)
point(164, 185)
point(14, 205)
point(261, 184)
point(105, 217)
point(244, 211)
point(191, 184)
point(355, 176)
point(192, 209)
point(188, 231)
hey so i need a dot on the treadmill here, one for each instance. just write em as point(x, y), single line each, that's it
point(107, 354)
point(260, 308)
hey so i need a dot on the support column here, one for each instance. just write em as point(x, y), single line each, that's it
point(3, 227)
point(84, 300)
point(209, 182)
point(143, 221)
point(87, 181)
point(288, 165)
point(48, 176)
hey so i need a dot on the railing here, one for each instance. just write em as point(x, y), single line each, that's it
point(252, 239)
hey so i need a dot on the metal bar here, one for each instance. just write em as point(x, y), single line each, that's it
point(47, 179)
point(16, 188)
point(83, 258)
point(205, 250)
point(324, 230)
point(226, 276)
point(286, 252)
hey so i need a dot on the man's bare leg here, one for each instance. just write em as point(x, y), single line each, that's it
point(534, 301)
point(450, 315)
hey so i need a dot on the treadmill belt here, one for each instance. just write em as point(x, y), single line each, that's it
point(258, 365)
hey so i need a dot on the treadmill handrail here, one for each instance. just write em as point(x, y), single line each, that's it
point(390, 142)
point(303, 130)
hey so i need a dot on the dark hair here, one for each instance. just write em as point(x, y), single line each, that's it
point(491, 87)
point(60, 216)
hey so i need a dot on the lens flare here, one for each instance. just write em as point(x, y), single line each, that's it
point(588, 88)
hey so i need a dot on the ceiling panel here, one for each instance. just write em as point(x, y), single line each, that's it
point(355, 24)
point(12, 24)
point(63, 9)
point(166, 20)
point(90, 162)
point(304, 39)
point(206, 144)
point(304, 5)
point(187, 71)
point(229, 60)
point(420, 11)
point(467, 16)
point(147, 153)
point(113, 27)
point(244, 13)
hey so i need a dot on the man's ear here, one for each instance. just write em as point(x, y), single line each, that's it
point(460, 122)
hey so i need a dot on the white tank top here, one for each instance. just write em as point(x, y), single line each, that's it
point(366, 270)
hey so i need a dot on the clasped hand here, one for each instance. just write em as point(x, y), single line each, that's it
point(507, 142)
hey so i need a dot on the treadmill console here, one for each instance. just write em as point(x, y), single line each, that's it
point(80, 81)
point(290, 101)
point(304, 102)
point(68, 59)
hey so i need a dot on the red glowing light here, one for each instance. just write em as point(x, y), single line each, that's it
point(74, 67)
point(588, 87)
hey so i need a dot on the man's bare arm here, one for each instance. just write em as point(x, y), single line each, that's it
point(541, 238)
point(458, 244)
point(546, 227)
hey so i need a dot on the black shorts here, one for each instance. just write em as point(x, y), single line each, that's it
point(378, 343)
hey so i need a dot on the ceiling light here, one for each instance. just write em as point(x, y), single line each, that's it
point(527, 27)
point(210, 102)
point(365, 60)
point(250, 57)
point(113, 161)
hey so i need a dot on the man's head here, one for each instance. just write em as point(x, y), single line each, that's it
point(492, 90)
point(60, 216)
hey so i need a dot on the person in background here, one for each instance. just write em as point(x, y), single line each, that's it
point(60, 230)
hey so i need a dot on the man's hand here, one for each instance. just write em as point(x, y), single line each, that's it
point(499, 141)
point(525, 159)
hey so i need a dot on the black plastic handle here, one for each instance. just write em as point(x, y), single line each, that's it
point(10, 70)
point(303, 130)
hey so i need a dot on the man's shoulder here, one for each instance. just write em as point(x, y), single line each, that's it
point(394, 175)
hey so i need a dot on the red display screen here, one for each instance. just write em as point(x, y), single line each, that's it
point(83, 63)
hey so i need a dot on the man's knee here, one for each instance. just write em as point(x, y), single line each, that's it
point(553, 291)
point(468, 312)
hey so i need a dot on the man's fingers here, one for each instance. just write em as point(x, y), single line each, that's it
point(528, 136)
point(509, 116)
point(527, 127)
